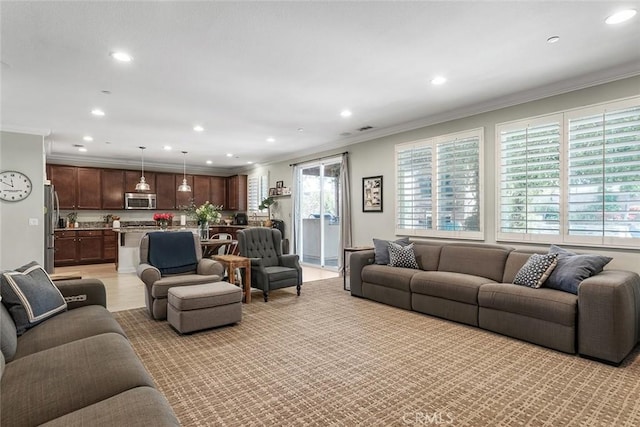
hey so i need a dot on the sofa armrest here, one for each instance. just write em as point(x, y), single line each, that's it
point(291, 261)
point(609, 315)
point(148, 274)
point(357, 261)
point(82, 292)
point(210, 267)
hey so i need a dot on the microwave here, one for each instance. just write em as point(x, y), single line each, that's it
point(139, 201)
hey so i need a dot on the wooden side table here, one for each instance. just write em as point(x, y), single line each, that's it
point(346, 267)
point(231, 262)
point(65, 276)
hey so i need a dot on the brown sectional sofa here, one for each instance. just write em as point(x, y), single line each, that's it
point(472, 284)
point(76, 368)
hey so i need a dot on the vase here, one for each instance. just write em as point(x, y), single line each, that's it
point(203, 229)
point(163, 224)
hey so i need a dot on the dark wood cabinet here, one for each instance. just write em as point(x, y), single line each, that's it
point(218, 195)
point(64, 180)
point(109, 245)
point(89, 246)
point(89, 194)
point(131, 178)
point(84, 247)
point(112, 189)
point(237, 193)
point(165, 191)
point(201, 189)
point(65, 248)
point(183, 199)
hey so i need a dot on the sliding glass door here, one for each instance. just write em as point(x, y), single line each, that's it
point(318, 218)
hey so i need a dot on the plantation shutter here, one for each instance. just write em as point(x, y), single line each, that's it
point(257, 190)
point(413, 193)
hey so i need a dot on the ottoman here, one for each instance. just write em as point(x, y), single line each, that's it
point(196, 307)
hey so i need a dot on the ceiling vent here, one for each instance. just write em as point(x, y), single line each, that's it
point(363, 128)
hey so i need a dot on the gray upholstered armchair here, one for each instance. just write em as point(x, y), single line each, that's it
point(269, 268)
point(169, 259)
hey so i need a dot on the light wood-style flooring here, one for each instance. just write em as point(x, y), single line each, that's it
point(125, 290)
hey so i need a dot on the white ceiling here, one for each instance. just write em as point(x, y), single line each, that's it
point(246, 71)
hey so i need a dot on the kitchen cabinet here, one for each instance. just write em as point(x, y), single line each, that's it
point(64, 181)
point(131, 178)
point(109, 246)
point(80, 247)
point(183, 199)
point(237, 193)
point(218, 195)
point(112, 189)
point(89, 188)
point(165, 191)
point(65, 248)
point(89, 246)
point(201, 189)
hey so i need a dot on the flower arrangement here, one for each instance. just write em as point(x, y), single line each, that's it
point(163, 217)
point(206, 212)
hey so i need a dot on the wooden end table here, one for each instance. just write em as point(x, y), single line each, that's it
point(231, 262)
point(345, 267)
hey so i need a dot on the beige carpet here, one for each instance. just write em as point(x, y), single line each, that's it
point(326, 358)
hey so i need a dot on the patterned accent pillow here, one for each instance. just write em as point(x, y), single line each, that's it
point(402, 256)
point(536, 270)
point(30, 296)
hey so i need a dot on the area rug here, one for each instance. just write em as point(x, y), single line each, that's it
point(327, 358)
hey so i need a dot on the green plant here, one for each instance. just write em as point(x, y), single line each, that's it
point(72, 217)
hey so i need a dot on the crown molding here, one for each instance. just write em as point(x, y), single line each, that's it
point(26, 130)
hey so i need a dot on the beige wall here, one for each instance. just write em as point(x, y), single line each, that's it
point(375, 157)
point(20, 242)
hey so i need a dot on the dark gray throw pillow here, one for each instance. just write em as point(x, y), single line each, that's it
point(572, 269)
point(30, 296)
point(381, 249)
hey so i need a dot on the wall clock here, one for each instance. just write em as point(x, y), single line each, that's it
point(14, 186)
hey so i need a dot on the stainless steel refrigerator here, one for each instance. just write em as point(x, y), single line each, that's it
point(51, 215)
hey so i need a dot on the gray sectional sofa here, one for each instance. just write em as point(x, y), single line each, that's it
point(76, 369)
point(472, 284)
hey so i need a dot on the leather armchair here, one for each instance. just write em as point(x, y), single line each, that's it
point(157, 285)
point(270, 269)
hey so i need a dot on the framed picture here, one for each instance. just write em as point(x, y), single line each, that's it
point(372, 194)
point(279, 191)
point(286, 191)
point(273, 191)
point(279, 184)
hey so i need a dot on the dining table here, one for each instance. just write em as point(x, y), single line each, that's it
point(211, 247)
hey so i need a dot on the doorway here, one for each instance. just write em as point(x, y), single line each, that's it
point(318, 216)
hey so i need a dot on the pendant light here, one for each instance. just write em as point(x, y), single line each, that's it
point(142, 185)
point(184, 187)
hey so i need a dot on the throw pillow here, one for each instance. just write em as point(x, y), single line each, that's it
point(30, 296)
point(572, 269)
point(402, 256)
point(381, 248)
point(536, 270)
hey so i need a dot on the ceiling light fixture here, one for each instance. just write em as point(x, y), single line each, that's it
point(121, 56)
point(209, 162)
point(184, 187)
point(198, 128)
point(553, 39)
point(271, 139)
point(97, 112)
point(167, 148)
point(438, 80)
point(229, 155)
point(249, 162)
point(142, 185)
point(87, 138)
point(345, 113)
point(621, 16)
point(82, 149)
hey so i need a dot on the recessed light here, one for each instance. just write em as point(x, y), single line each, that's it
point(167, 148)
point(621, 16)
point(97, 112)
point(209, 162)
point(121, 56)
point(249, 162)
point(229, 155)
point(345, 113)
point(438, 80)
point(300, 129)
point(82, 149)
point(553, 39)
point(271, 139)
point(198, 128)
point(87, 138)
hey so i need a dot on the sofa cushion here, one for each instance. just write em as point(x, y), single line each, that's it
point(514, 263)
point(381, 249)
point(573, 269)
point(144, 406)
point(79, 323)
point(8, 334)
point(545, 304)
point(30, 296)
point(427, 254)
point(387, 276)
point(477, 260)
point(536, 270)
point(160, 288)
point(402, 256)
point(55, 382)
point(452, 286)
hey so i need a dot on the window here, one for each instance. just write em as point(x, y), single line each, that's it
point(572, 177)
point(257, 191)
point(438, 183)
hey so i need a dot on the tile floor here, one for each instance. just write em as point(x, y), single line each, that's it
point(125, 290)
